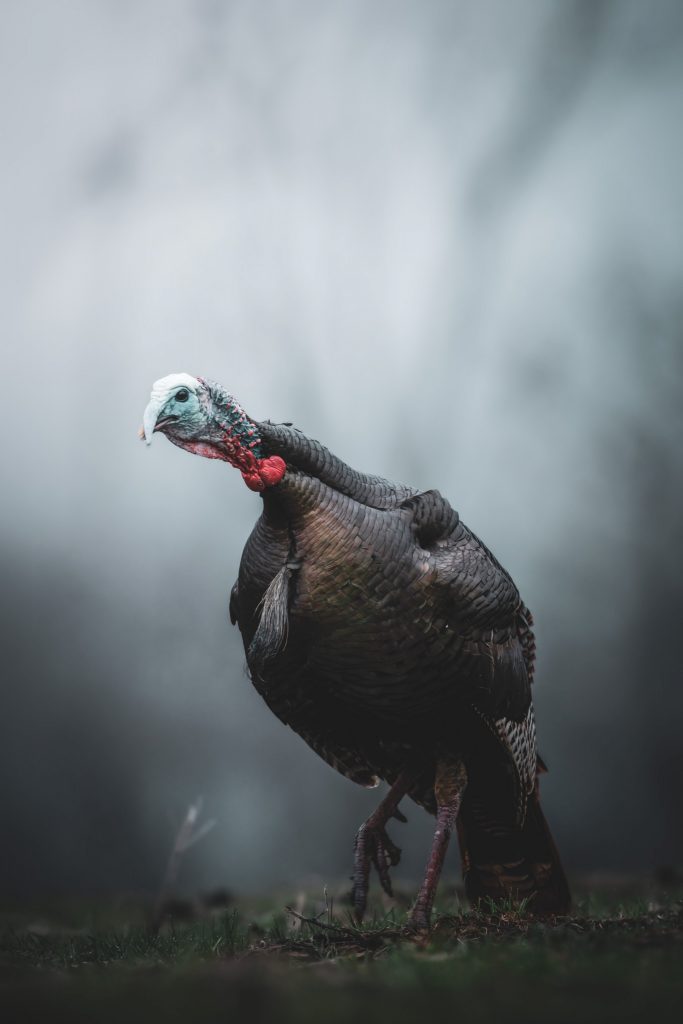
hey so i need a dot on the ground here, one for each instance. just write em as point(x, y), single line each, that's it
point(618, 957)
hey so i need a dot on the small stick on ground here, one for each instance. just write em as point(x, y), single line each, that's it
point(188, 834)
point(368, 939)
point(298, 910)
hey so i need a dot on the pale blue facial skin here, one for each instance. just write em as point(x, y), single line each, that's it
point(203, 418)
point(191, 416)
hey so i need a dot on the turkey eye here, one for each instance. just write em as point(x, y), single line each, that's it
point(182, 395)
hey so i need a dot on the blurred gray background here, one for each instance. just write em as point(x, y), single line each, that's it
point(442, 237)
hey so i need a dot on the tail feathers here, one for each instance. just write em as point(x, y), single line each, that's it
point(513, 863)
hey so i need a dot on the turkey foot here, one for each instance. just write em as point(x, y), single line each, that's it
point(373, 846)
point(449, 786)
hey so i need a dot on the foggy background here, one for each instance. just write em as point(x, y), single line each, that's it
point(445, 239)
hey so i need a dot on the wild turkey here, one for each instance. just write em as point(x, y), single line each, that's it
point(384, 632)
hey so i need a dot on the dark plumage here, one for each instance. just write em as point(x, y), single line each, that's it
point(385, 633)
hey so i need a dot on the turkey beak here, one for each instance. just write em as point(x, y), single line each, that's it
point(149, 421)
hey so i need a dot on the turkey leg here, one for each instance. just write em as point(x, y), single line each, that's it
point(373, 845)
point(449, 786)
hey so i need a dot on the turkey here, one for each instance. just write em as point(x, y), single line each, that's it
point(386, 634)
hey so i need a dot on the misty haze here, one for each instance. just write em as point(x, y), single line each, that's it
point(442, 238)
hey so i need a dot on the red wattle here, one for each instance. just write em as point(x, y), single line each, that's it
point(264, 473)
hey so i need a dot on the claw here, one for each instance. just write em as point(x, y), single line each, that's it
point(373, 846)
point(384, 856)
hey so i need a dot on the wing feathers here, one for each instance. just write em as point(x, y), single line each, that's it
point(271, 634)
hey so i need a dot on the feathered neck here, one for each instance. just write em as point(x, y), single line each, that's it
point(306, 457)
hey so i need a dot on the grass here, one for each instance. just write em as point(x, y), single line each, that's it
point(618, 958)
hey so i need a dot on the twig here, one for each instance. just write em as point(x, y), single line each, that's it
point(188, 834)
point(315, 922)
point(368, 939)
point(300, 904)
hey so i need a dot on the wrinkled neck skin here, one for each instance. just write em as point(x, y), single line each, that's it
point(231, 436)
